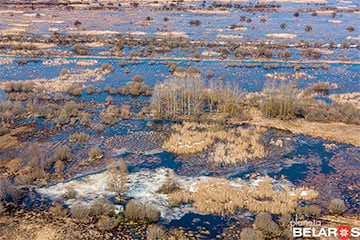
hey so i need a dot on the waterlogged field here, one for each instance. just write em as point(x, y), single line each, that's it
point(178, 120)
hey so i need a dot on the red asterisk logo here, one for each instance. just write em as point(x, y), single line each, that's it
point(343, 232)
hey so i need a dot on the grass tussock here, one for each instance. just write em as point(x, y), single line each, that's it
point(220, 196)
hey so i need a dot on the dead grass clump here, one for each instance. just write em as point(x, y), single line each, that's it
point(75, 90)
point(107, 68)
point(220, 196)
point(266, 225)
point(106, 223)
point(337, 207)
point(95, 153)
point(101, 207)
point(110, 116)
point(19, 86)
point(80, 49)
point(80, 211)
point(191, 137)
point(170, 185)
point(155, 232)
point(240, 145)
point(79, 137)
point(251, 234)
point(62, 153)
point(140, 212)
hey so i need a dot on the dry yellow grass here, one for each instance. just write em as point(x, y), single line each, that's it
point(231, 145)
point(239, 145)
point(191, 137)
point(281, 35)
point(353, 98)
point(333, 131)
point(220, 196)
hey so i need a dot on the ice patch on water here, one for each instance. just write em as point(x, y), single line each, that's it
point(142, 186)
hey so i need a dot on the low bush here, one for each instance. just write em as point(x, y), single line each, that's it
point(107, 68)
point(337, 207)
point(58, 211)
point(266, 225)
point(80, 211)
point(95, 153)
point(101, 207)
point(78, 137)
point(70, 193)
point(251, 234)
point(155, 232)
point(310, 211)
point(19, 86)
point(107, 223)
point(62, 153)
point(195, 22)
point(139, 212)
point(75, 90)
point(85, 119)
point(90, 90)
point(170, 185)
point(80, 49)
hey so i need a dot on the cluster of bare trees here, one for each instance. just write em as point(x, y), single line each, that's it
point(184, 96)
point(279, 100)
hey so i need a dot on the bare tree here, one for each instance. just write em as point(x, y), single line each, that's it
point(117, 177)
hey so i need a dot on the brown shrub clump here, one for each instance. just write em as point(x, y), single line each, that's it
point(220, 196)
point(140, 212)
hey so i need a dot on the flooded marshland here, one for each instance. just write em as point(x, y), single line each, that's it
point(178, 120)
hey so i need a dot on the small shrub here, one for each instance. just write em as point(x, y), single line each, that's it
point(70, 193)
point(90, 89)
point(77, 23)
point(101, 207)
point(170, 185)
point(64, 73)
point(308, 28)
point(310, 211)
point(59, 167)
point(62, 153)
point(155, 232)
point(23, 180)
point(350, 28)
point(337, 207)
point(58, 211)
point(105, 67)
point(106, 223)
point(97, 127)
point(80, 211)
point(195, 22)
point(75, 90)
point(79, 137)
point(266, 225)
point(80, 49)
point(85, 119)
point(95, 153)
point(140, 212)
point(138, 79)
point(251, 234)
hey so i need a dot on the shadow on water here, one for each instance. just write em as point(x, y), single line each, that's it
point(195, 222)
point(309, 149)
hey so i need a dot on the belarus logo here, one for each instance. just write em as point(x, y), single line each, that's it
point(343, 232)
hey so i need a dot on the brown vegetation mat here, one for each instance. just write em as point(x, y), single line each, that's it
point(339, 132)
point(10, 140)
point(43, 226)
point(220, 196)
